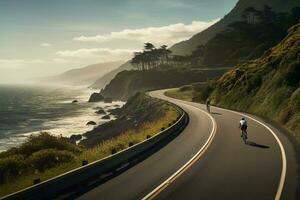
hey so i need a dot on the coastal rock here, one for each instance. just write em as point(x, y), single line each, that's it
point(91, 123)
point(98, 108)
point(100, 112)
point(96, 97)
point(75, 101)
point(106, 117)
point(108, 100)
point(75, 138)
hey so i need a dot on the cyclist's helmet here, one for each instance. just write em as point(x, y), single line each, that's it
point(243, 118)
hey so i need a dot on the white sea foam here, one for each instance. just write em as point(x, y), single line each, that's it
point(66, 126)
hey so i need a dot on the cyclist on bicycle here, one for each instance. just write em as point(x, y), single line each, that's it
point(243, 126)
point(208, 105)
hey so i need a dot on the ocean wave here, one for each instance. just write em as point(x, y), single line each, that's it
point(66, 124)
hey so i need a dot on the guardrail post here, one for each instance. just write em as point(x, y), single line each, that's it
point(84, 162)
point(36, 181)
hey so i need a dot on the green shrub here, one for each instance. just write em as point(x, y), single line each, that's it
point(203, 92)
point(48, 158)
point(11, 167)
point(41, 141)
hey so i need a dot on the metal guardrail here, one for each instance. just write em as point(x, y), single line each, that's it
point(56, 185)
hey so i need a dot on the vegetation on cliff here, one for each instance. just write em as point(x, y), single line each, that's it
point(139, 109)
point(127, 83)
point(246, 39)
point(268, 86)
point(242, 40)
point(188, 46)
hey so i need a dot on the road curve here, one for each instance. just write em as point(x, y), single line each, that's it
point(208, 160)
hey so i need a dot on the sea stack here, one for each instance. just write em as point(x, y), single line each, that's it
point(96, 97)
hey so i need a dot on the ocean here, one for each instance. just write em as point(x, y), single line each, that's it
point(26, 110)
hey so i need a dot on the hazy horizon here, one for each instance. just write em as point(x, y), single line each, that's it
point(44, 38)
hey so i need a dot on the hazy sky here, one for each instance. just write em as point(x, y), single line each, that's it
point(45, 37)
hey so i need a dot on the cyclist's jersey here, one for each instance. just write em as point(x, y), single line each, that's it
point(207, 103)
point(243, 123)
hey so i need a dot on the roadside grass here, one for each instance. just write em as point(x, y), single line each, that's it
point(281, 105)
point(106, 148)
point(197, 92)
point(177, 94)
point(186, 95)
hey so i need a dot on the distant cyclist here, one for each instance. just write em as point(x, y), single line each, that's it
point(243, 126)
point(208, 105)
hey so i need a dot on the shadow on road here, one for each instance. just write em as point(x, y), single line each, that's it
point(253, 144)
point(215, 113)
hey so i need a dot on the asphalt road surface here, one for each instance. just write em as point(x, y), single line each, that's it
point(209, 160)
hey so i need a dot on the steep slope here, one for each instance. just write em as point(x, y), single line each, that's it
point(106, 78)
point(83, 76)
point(127, 83)
point(186, 47)
point(139, 110)
point(268, 86)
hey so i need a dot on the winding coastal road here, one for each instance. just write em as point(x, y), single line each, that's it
point(209, 160)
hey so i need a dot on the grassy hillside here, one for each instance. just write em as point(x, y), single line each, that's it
point(127, 83)
point(186, 47)
point(139, 109)
point(45, 156)
point(268, 86)
point(249, 38)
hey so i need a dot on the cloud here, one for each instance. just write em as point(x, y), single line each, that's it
point(17, 63)
point(98, 53)
point(170, 34)
point(46, 45)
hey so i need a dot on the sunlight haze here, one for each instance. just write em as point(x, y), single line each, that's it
point(42, 38)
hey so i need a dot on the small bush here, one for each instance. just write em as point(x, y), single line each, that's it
point(11, 167)
point(41, 141)
point(203, 92)
point(48, 158)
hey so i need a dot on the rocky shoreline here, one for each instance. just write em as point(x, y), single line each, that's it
point(120, 119)
point(106, 114)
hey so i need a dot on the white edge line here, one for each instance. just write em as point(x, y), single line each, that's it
point(283, 155)
point(191, 160)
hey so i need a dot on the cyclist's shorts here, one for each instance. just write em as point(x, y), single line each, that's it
point(244, 127)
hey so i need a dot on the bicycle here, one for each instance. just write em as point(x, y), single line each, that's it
point(244, 136)
point(208, 108)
